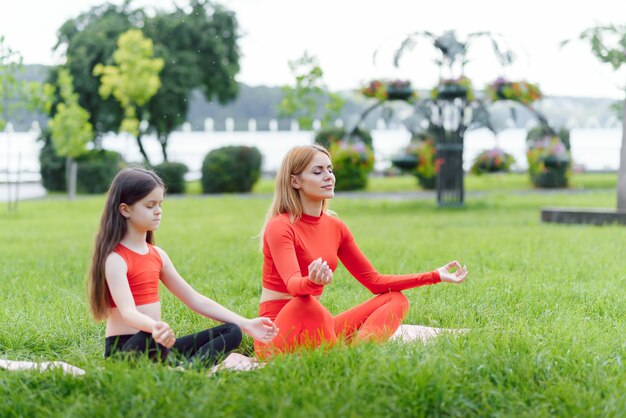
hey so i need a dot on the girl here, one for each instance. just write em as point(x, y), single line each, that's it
point(302, 244)
point(124, 283)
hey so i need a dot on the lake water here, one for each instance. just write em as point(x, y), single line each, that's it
point(592, 149)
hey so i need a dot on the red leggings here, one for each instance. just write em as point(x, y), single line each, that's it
point(304, 322)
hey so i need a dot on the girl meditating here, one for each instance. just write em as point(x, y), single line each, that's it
point(302, 244)
point(124, 284)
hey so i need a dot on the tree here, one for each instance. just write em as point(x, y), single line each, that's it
point(18, 93)
point(90, 39)
point(608, 44)
point(70, 128)
point(132, 81)
point(303, 100)
point(199, 46)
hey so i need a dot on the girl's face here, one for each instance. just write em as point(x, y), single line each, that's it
point(317, 181)
point(146, 213)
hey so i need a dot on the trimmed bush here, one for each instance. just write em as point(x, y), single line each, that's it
point(173, 175)
point(52, 169)
point(96, 170)
point(352, 162)
point(329, 136)
point(231, 169)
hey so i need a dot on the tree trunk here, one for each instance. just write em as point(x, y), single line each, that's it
point(143, 151)
point(621, 176)
point(71, 171)
point(163, 142)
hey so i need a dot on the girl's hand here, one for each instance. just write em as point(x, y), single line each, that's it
point(452, 272)
point(320, 272)
point(262, 329)
point(163, 334)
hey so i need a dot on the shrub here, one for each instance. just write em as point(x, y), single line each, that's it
point(492, 161)
point(52, 169)
point(96, 169)
point(329, 136)
point(423, 148)
point(352, 162)
point(173, 175)
point(231, 169)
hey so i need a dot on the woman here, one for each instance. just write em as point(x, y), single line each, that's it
point(302, 244)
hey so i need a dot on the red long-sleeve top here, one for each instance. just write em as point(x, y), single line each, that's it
point(289, 248)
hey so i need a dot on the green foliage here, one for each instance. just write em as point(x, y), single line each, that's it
point(519, 91)
point(423, 147)
point(90, 39)
point(231, 169)
point(173, 175)
point(70, 128)
point(189, 40)
point(96, 170)
point(492, 161)
point(549, 158)
point(52, 167)
point(133, 80)
point(14, 93)
point(607, 43)
point(304, 99)
point(352, 162)
point(329, 136)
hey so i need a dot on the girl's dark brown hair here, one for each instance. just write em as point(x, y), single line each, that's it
point(129, 186)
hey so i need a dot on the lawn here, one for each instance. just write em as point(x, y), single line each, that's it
point(545, 304)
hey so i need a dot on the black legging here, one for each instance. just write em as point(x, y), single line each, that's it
point(205, 347)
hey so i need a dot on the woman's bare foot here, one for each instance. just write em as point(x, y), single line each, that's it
point(408, 333)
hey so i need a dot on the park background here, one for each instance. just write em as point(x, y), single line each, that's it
point(544, 303)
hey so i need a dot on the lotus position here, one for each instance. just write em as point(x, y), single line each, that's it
point(124, 284)
point(302, 243)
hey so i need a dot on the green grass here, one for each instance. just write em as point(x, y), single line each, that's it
point(406, 183)
point(545, 304)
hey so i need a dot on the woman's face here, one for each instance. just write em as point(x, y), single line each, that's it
point(317, 181)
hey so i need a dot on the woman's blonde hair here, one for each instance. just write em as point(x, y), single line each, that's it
point(287, 198)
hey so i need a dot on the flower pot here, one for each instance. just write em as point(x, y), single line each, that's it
point(555, 161)
point(399, 93)
point(404, 162)
point(451, 91)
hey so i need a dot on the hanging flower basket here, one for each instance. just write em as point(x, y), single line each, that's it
point(390, 90)
point(518, 91)
point(451, 89)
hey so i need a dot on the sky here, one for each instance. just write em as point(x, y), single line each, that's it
point(344, 34)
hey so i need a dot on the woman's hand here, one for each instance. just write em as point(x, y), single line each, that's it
point(452, 272)
point(320, 272)
point(262, 329)
point(163, 334)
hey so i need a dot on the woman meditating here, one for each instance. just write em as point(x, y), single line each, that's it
point(302, 244)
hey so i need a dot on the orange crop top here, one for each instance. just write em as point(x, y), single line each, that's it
point(144, 272)
point(289, 248)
